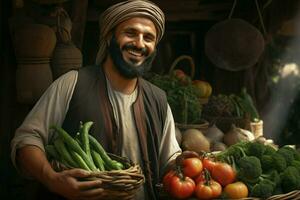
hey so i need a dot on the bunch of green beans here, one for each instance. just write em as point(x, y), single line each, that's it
point(83, 151)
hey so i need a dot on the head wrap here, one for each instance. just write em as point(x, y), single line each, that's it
point(123, 11)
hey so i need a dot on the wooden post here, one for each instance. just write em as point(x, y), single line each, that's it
point(78, 17)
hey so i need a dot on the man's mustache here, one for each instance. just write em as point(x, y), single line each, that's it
point(132, 47)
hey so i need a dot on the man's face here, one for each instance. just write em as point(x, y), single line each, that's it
point(132, 48)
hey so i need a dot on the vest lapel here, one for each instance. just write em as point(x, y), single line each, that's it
point(110, 127)
point(140, 120)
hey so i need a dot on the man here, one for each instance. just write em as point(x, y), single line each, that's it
point(131, 116)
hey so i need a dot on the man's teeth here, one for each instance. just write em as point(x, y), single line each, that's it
point(135, 53)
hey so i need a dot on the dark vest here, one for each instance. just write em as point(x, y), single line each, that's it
point(90, 102)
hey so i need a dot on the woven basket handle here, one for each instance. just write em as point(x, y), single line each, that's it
point(180, 58)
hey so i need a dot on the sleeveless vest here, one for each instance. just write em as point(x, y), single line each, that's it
point(90, 102)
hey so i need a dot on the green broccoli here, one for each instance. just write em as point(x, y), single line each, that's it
point(296, 164)
point(273, 162)
point(290, 179)
point(263, 189)
point(235, 151)
point(249, 169)
point(256, 149)
point(287, 154)
point(266, 162)
point(272, 176)
point(269, 150)
point(294, 151)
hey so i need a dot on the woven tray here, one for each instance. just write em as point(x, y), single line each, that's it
point(118, 184)
point(294, 195)
point(202, 126)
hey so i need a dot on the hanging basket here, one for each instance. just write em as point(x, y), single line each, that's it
point(118, 184)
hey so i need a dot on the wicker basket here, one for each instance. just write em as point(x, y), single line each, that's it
point(202, 126)
point(118, 184)
point(294, 195)
point(181, 58)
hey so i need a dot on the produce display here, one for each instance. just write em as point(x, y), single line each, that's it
point(231, 106)
point(83, 151)
point(245, 169)
point(183, 97)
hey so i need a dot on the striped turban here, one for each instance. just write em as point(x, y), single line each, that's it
point(125, 10)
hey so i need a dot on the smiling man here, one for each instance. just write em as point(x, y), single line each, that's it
point(131, 116)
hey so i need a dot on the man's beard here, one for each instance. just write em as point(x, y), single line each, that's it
point(130, 69)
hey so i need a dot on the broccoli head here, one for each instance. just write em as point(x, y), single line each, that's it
point(279, 162)
point(273, 176)
point(249, 169)
point(266, 162)
point(269, 150)
point(256, 149)
point(287, 154)
point(293, 151)
point(263, 189)
point(290, 179)
point(296, 164)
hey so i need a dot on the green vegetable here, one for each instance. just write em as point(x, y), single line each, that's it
point(269, 150)
point(61, 148)
point(290, 179)
point(249, 105)
point(84, 133)
point(73, 145)
point(263, 189)
point(108, 162)
point(256, 149)
point(249, 169)
point(293, 151)
point(287, 154)
point(296, 164)
point(98, 160)
point(183, 99)
point(273, 162)
point(81, 163)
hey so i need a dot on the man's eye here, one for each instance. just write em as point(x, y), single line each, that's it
point(130, 34)
point(149, 38)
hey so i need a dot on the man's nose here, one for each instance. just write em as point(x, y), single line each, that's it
point(140, 42)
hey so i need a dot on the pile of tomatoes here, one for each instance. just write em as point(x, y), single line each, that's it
point(203, 178)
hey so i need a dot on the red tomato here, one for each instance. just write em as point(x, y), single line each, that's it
point(208, 190)
point(192, 167)
point(181, 188)
point(208, 164)
point(167, 179)
point(200, 178)
point(223, 173)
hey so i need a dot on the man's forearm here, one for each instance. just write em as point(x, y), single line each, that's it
point(32, 161)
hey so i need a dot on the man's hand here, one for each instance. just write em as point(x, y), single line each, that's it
point(33, 163)
point(66, 184)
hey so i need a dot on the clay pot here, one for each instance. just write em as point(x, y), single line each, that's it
point(32, 79)
point(66, 57)
point(34, 41)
